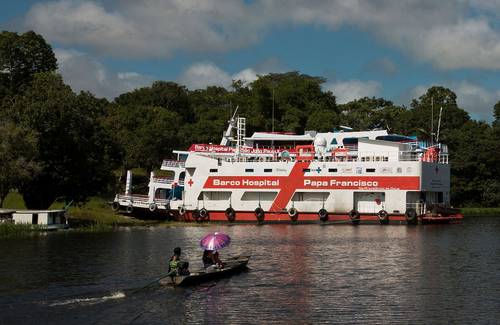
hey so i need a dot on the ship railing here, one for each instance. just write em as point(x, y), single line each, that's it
point(168, 180)
point(141, 199)
point(350, 156)
point(134, 198)
point(173, 163)
point(163, 180)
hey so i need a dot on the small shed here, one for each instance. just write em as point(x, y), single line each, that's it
point(6, 215)
point(51, 218)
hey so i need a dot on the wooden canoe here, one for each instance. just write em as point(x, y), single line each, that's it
point(231, 266)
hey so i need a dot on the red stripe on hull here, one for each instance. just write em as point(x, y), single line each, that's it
point(249, 216)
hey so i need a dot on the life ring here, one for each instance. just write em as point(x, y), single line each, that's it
point(129, 208)
point(354, 216)
point(152, 207)
point(203, 214)
point(230, 214)
point(323, 215)
point(182, 210)
point(293, 213)
point(196, 215)
point(115, 206)
point(411, 216)
point(259, 214)
point(383, 217)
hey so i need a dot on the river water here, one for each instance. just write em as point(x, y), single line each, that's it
point(298, 274)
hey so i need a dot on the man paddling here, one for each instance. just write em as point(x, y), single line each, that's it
point(176, 266)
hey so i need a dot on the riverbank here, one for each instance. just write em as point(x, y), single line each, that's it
point(94, 216)
point(480, 212)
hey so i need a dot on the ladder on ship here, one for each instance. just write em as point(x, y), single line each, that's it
point(240, 133)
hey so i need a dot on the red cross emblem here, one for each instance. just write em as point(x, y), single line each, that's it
point(190, 182)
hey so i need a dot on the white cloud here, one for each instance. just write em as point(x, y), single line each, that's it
point(202, 74)
point(247, 76)
point(83, 72)
point(349, 90)
point(141, 28)
point(447, 33)
point(478, 101)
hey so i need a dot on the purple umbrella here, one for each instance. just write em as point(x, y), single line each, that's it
point(214, 241)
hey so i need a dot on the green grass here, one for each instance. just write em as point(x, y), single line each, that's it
point(99, 212)
point(480, 212)
point(10, 230)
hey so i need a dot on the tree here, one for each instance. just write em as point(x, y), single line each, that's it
point(145, 135)
point(425, 113)
point(169, 95)
point(18, 150)
point(322, 120)
point(496, 114)
point(293, 97)
point(21, 56)
point(72, 148)
point(368, 113)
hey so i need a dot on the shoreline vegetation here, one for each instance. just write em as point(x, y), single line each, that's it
point(96, 216)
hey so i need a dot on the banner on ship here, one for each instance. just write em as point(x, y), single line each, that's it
point(318, 182)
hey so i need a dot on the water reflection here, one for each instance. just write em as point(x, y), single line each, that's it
point(303, 274)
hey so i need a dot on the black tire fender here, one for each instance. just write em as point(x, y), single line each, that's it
point(323, 215)
point(115, 206)
point(203, 214)
point(383, 217)
point(293, 213)
point(354, 216)
point(259, 214)
point(230, 214)
point(411, 216)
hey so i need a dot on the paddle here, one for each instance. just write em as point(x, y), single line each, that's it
point(153, 282)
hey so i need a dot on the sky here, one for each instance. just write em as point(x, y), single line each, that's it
point(391, 49)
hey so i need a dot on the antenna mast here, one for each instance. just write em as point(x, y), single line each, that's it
point(439, 124)
point(432, 120)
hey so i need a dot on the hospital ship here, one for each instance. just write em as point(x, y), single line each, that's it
point(356, 177)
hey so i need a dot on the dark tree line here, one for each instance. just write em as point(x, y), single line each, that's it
point(56, 144)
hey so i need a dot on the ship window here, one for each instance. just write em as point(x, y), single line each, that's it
point(332, 170)
point(370, 170)
point(306, 170)
point(249, 170)
point(214, 196)
point(268, 170)
point(258, 196)
point(310, 196)
point(214, 170)
point(399, 170)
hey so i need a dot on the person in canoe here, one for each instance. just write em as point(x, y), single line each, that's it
point(211, 258)
point(176, 266)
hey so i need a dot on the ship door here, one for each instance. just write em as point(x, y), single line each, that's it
point(369, 202)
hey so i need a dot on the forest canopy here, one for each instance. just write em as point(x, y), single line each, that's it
point(57, 144)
